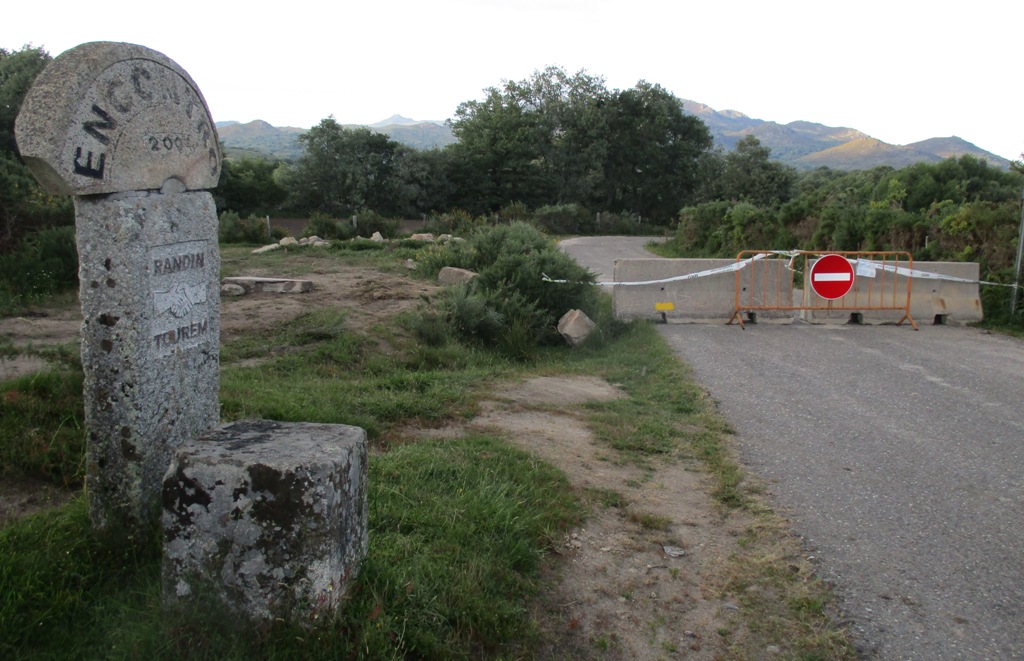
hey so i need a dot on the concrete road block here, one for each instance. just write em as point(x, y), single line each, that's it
point(931, 301)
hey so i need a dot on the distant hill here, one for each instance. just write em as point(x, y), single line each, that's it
point(807, 145)
point(802, 144)
point(258, 138)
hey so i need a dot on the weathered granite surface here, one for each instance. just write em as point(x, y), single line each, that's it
point(268, 517)
point(125, 130)
point(149, 271)
point(111, 117)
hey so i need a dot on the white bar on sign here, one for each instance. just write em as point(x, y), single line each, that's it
point(831, 277)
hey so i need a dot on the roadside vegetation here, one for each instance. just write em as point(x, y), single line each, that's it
point(459, 527)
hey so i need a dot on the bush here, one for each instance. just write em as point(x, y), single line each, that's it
point(508, 306)
point(456, 222)
point(235, 229)
point(368, 222)
point(44, 263)
point(565, 219)
point(329, 228)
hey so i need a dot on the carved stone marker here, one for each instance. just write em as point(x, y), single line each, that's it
point(126, 131)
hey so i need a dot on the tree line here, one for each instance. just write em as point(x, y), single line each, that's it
point(561, 148)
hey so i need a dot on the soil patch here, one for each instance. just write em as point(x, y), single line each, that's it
point(633, 581)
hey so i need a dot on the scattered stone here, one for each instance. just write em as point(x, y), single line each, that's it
point(378, 237)
point(673, 551)
point(449, 275)
point(232, 289)
point(253, 285)
point(272, 246)
point(321, 243)
point(268, 517)
point(575, 327)
point(313, 239)
point(445, 238)
point(304, 241)
point(427, 236)
point(288, 241)
point(410, 264)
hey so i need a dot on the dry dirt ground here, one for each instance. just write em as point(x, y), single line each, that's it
point(621, 588)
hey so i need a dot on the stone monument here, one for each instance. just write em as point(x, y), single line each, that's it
point(269, 517)
point(127, 132)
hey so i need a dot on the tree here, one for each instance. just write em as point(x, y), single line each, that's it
point(248, 186)
point(499, 156)
point(344, 170)
point(557, 138)
point(18, 70)
point(749, 175)
point(653, 152)
point(23, 202)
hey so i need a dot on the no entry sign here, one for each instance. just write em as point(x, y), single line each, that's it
point(831, 277)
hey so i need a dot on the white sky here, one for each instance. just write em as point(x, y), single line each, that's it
point(898, 70)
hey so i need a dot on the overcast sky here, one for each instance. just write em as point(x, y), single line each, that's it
point(898, 70)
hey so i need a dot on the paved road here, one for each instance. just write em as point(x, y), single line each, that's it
point(899, 457)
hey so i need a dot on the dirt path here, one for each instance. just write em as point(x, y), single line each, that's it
point(634, 582)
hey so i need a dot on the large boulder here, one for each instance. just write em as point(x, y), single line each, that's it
point(450, 275)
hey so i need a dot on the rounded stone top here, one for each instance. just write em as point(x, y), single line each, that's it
point(108, 117)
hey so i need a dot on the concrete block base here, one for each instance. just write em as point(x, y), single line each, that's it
point(267, 517)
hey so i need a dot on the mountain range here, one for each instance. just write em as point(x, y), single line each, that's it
point(804, 145)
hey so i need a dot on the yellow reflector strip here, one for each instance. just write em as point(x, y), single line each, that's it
point(664, 307)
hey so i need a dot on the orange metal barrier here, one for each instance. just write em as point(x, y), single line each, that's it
point(767, 283)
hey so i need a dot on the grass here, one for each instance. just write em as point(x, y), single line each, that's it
point(458, 528)
point(457, 533)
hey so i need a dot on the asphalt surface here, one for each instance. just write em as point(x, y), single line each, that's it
point(897, 455)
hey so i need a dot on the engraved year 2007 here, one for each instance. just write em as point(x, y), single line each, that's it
point(166, 143)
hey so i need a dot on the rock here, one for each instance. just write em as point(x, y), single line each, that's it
point(449, 275)
point(423, 237)
point(313, 239)
point(378, 237)
point(269, 518)
point(575, 327)
point(321, 243)
point(232, 289)
point(272, 285)
point(288, 241)
point(410, 264)
point(272, 246)
point(304, 241)
point(444, 238)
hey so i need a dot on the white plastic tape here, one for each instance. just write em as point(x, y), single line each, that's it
point(735, 266)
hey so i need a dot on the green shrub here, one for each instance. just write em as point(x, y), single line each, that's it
point(44, 263)
point(329, 228)
point(565, 219)
point(235, 229)
point(368, 222)
point(509, 306)
point(458, 222)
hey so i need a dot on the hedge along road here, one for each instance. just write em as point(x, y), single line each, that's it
point(899, 458)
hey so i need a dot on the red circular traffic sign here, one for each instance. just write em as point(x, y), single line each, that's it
point(832, 277)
